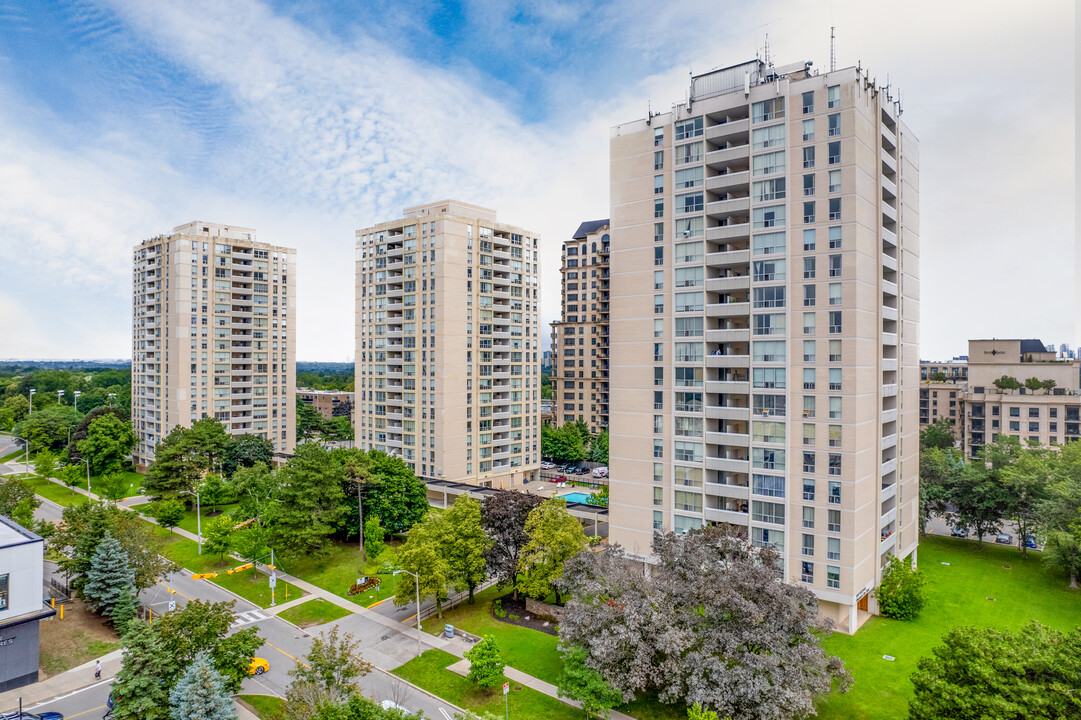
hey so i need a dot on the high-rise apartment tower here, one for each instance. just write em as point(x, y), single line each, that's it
point(764, 324)
point(580, 338)
point(213, 335)
point(447, 344)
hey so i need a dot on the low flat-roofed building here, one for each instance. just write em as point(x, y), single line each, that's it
point(21, 606)
point(327, 401)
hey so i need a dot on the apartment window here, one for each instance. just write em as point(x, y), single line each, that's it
point(765, 217)
point(768, 270)
point(834, 492)
point(1034, 427)
point(658, 256)
point(658, 400)
point(658, 137)
point(808, 351)
point(687, 451)
point(835, 378)
point(772, 109)
point(834, 153)
point(689, 153)
point(761, 537)
point(835, 265)
point(766, 459)
point(808, 378)
point(835, 322)
point(658, 159)
point(658, 303)
point(808, 323)
point(835, 293)
point(808, 102)
point(833, 521)
point(835, 463)
point(688, 178)
point(658, 452)
point(689, 352)
point(809, 240)
point(808, 295)
point(833, 122)
point(687, 502)
point(808, 130)
point(688, 327)
point(688, 402)
point(834, 181)
point(689, 202)
point(835, 408)
point(809, 212)
point(658, 352)
point(658, 208)
point(689, 227)
point(808, 462)
point(808, 545)
point(808, 490)
point(768, 512)
point(688, 377)
point(658, 520)
point(807, 569)
point(658, 376)
point(769, 243)
point(808, 157)
point(833, 97)
point(835, 208)
point(1015, 412)
point(835, 238)
point(771, 324)
point(768, 378)
point(689, 252)
point(689, 302)
point(768, 163)
point(658, 232)
point(769, 297)
point(658, 184)
point(1015, 426)
point(833, 548)
point(808, 436)
point(1034, 412)
point(808, 184)
point(768, 485)
point(809, 518)
point(766, 405)
point(833, 577)
point(768, 190)
point(688, 128)
point(658, 472)
point(658, 424)
point(808, 268)
point(835, 436)
point(767, 137)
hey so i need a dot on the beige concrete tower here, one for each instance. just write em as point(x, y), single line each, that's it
point(764, 324)
point(580, 338)
point(447, 344)
point(213, 335)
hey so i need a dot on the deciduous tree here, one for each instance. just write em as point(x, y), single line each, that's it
point(169, 513)
point(503, 518)
point(938, 434)
point(485, 663)
point(247, 450)
point(554, 537)
point(422, 554)
point(109, 442)
point(203, 627)
point(328, 675)
point(16, 493)
point(217, 536)
point(901, 593)
point(45, 464)
point(584, 684)
point(393, 492)
point(464, 543)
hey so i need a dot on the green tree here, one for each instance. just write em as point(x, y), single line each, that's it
point(215, 491)
point(72, 475)
point(110, 580)
point(169, 513)
point(584, 684)
point(1048, 386)
point(1033, 384)
point(1027, 482)
point(1007, 382)
point(464, 543)
point(373, 537)
point(16, 493)
point(45, 464)
point(697, 712)
point(17, 408)
point(564, 444)
point(200, 693)
point(217, 536)
point(423, 555)
point(175, 467)
point(393, 492)
point(1063, 551)
point(939, 377)
point(901, 594)
point(109, 442)
point(200, 627)
point(598, 448)
point(47, 427)
point(247, 450)
point(138, 692)
point(83, 429)
point(979, 673)
point(112, 486)
point(938, 470)
point(485, 663)
point(328, 675)
point(254, 487)
point(979, 500)
point(308, 420)
point(938, 434)
point(310, 502)
point(554, 537)
point(209, 443)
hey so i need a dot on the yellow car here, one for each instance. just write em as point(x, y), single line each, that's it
point(258, 666)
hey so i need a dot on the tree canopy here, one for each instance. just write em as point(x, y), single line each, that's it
point(503, 518)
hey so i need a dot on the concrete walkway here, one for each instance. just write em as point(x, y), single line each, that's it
point(77, 678)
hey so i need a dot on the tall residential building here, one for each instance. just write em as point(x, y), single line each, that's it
point(580, 338)
point(1048, 416)
point(447, 344)
point(211, 335)
point(764, 324)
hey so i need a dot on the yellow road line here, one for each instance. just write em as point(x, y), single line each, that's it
point(84, 712)
point(295, 659)
point(409, 618)
point(164, 585)
point(378, 602)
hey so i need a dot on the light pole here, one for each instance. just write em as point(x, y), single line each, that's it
point(59, 394)
point(88, 492)
point(198, 517)
point(77, 393)
point(417, 579)
point(26, 441)
point(112, 398)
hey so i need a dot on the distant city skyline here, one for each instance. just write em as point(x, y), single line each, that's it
point(120, 119)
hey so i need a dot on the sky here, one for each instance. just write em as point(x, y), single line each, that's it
point(306, 120)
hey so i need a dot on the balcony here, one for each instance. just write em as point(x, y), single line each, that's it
point(733, 206)
point(889, 237)
point(889, 364)
point(888, 467)
point(728, 386)
point(887, 517)
point(727, 310)
point(728, 336)
point(728, 464)
point(889, 338)
point(727, 516)
point(889, 188)
point(889, 416)
point(726, 132)
point(890, 263)
point(888, 213)
point(887, 544)
point(721, 412)
point(889, 491)
point(889, 390)
point(728, 284)
point(739, 492)
point(727, 155)
point(732, 231)
point(731, 258)
point(889, 165)
point(728, 361)
point(889, 314)
point(889, 138)
point(728, 181)
point(728, 439)
point(889, 441)
point(889, 287)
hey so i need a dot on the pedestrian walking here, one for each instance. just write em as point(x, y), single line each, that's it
point(97, 670)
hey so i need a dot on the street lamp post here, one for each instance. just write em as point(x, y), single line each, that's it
point(26, 441)
point(417, 579)
point(112, 398)
point(59, 394)
point(87, 463)
point(198, 517)
point(77, 393)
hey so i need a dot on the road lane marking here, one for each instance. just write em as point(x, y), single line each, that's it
point(166, 586)
point(84, 712)
point(73, 692)
point(288, 655)
point(409, 618)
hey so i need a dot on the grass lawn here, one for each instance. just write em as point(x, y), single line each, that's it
point(313, 612)
point(133, 487)
point(337, 570)
point(18, 454)
point(530, 651)
point(264, 706)
point(249, 584)
point(59, 494)
point(956, 595)
point(429, 672)
point(80, 637)
point(188, 522)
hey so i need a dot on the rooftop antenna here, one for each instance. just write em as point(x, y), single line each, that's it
point(833, 50)
point(765, 52)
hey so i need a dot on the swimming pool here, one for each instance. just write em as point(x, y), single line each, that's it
point(576, 497)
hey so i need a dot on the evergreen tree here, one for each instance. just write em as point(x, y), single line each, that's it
point(200, 694)
point(110, 580)
point(311, 502)
point(138, 692)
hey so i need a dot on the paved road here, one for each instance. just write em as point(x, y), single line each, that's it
point(383, 646)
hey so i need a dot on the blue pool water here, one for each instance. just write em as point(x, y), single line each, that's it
point(576, 497)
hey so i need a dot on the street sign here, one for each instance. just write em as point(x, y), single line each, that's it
point(172, 605)
point(273, 580)
point(239, 568)
point(506, 688)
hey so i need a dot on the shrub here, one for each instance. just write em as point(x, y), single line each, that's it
point(485, 663)
point(900, 596)
point(497, 609)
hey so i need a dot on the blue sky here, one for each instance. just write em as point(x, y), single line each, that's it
point(120, 119)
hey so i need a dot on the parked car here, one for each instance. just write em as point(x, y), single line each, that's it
point(559, 478)
point(599, 472)
point(581, 471)
point(1004, 539)
point(258, 666)
point(391, 705)
point(959, 532)
point(24, 715)
point(1030, 542)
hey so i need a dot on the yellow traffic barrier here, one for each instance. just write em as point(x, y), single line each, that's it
point(239, 568)
point(52, 602)
point(203, 576)
point(61, 611)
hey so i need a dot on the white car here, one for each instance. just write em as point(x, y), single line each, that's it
point(391, 705)
point(600, 472)
point(547, 465)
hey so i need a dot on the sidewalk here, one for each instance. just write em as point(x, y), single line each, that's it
point(78, 678)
